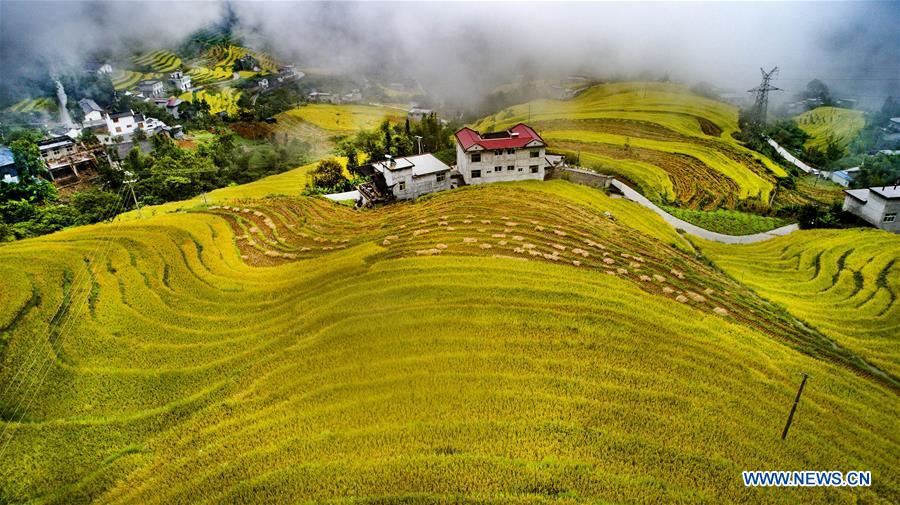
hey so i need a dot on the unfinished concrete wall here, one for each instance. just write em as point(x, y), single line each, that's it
point(579, 176)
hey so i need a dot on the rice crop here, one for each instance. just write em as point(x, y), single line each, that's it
point(516, 343)
point(845, 283)
point(125, 79)
point(824, 124)
point(159, 61)
point(32, 105)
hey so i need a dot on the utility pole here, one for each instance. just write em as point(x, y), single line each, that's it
point(761, 105)
point(794, 406)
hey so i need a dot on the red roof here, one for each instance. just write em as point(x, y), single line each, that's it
point(516, 137)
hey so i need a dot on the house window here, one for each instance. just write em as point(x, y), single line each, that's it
point(476, 174)
point(535, 154)
point(476, 158)
point(510, 151)
point(534, 169)
point(498, 152)
point(441, 177)
point(498, 169)
point(510, 168)
point(118, 129)
point(520, 169)
point(889, 218)
point(401, 186)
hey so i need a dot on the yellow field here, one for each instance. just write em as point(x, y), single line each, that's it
point(676, 146)
point(825, 123)
point(31, 105)
point(221, 99)
point(845, 283)
point(319, 124)
point(290, 183)
point(523, 343)
point(159, 61)
point(343, 118)
point(125, 79)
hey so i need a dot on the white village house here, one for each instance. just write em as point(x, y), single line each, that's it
point(180, 80)
point(405, 178)
point(151, 87)
point(510, 155)
point(93, 114)
point(879, 206)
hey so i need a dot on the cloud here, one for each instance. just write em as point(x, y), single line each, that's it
point(462, 49)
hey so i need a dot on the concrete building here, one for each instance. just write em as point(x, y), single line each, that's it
point(151, 87)
point(180, 80)
point(511, 155)
point(405, 178)
point(879, 206)
point(418, 114)
point(324, 97)
point(844, 177)
point(67, 161)
point(92, 112)
point(8, 171)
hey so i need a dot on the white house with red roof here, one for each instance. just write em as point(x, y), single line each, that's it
point(511, 155)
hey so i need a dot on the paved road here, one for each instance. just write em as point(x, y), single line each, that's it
point(790, 157)
point(696, 230)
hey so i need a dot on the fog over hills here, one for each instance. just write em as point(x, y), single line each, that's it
point(459, 49)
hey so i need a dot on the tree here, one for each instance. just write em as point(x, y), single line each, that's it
point(96, 205)
point(139, 135)
point(328, 174)
point(27, 158)
point(817, 89)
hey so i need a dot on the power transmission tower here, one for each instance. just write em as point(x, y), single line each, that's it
point(761, 106)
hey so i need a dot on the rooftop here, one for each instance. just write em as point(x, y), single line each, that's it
point(422, 164)
point(889, 192)
point(6, 156)
point(516, 137)
point(54, 142)
point(88, 105)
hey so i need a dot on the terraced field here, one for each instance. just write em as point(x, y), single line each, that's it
point(32, 105)
point(844, 283)
point(826, 123)
point(125, 79)
point(677, 147)
point(159, 61)
point(319, 124)
point(526, 343)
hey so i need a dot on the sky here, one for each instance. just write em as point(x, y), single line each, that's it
point(463, 49)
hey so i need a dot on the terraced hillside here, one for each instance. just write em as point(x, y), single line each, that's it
point(524, 343)
point(158, 61)
point(319, 124)
point(826, 123)
point(32, 105)
point(844, 283)
point(676, 146)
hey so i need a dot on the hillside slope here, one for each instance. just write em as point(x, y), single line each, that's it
point(844, 282)
point(510, 343)
point(826, 123)
point(676, 146)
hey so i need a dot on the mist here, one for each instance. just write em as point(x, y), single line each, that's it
point(460, 51)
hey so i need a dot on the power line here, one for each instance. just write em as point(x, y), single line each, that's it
point(66, 325)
